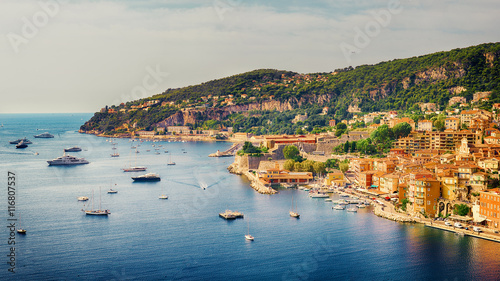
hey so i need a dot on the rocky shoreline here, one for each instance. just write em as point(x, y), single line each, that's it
point(380, 212)
point(255, 183)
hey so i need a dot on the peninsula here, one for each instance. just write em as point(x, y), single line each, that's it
point(422, 133)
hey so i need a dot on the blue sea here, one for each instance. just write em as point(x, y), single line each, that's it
point(183, 238)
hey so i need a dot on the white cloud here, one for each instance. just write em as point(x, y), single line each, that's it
point(94, 53)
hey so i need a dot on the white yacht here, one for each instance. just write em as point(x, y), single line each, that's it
point(341, 202)
point(338, 207)
point(134, 169)
point(147, 177)
point(318, 195)
point(352, 209)
point(45, 135)
point(67, 160)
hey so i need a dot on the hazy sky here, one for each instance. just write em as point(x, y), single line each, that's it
point(78, 56)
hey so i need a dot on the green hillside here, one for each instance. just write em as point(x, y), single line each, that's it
point(393, 85)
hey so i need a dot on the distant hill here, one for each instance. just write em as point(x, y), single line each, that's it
point(266, 100)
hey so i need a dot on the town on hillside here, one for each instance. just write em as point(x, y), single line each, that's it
point(450, 173)
point(429, 164)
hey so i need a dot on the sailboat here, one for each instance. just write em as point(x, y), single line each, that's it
point(170, 161)
point(112, 191)
point(135, 168)
point(21, 230)
point(248, 236)
point(115, 154)
point(163, 196)
point(98, 212)
point(293, 213)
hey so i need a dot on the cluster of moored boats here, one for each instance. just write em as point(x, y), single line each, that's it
point(72, 160)
point(346, 202)
point(23, 143)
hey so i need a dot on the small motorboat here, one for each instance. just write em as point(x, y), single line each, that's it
point(111, 191)
point(352, 209)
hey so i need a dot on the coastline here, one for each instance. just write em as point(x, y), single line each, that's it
point(164, 137)
point(254, 181)
point(380, 210)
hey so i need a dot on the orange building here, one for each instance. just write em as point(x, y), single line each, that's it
point(427, 192)
point(272, 141)
point(277, 176)
point(366, 179)
point(489, 207)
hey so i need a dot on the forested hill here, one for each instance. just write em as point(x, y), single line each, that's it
point(393, 85)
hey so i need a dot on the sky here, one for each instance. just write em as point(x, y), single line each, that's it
point(78, 56)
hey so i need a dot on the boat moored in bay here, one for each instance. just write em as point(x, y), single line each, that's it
point(45, 135)
point(67, 160)
point(25, 140)
point(147, 177)
point(230, 215)
point(21, 144)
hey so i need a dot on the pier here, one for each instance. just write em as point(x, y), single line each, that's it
point(229, 152)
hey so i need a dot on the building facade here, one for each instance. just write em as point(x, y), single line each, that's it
point(489, 207)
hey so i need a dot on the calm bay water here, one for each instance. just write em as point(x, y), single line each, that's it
point(183, 238)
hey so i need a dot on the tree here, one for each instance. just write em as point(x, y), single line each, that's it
point(291, 152)
point(404, 202)
point(308, 166)
point(249, 148)
point(289, 165)
point(340, 129)
point(332, 163)
point(401, 130)
point(346, 147)
point(353, 146)
point(297, 167)
point(344, 167)
point(299, 131)
point(461, 209)
point(439, 125)
point(341, 126)
point(319, 167)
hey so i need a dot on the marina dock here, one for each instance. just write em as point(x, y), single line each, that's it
point(229, 152)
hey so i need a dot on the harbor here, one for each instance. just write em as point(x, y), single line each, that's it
point(188, 223)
